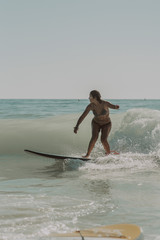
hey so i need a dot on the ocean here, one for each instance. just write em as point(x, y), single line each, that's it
point(40, 196)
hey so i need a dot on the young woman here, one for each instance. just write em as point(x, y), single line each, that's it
point(100, 122)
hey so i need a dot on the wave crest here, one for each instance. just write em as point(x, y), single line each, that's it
point(139, 131)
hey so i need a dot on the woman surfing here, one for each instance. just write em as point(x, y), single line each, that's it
point(100, 122)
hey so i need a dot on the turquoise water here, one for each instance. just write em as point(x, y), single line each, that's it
point(39, 196)
point(38, 108)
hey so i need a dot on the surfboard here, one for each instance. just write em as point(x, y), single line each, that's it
point(55, 156)
point(110, 232)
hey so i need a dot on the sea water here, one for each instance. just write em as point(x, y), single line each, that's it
point(41, 196)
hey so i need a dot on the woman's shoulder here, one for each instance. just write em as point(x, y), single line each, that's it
point(91, 106)
point(105, 103)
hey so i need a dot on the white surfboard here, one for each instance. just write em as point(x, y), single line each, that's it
point(111, 232)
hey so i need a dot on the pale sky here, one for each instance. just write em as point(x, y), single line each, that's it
point(66, 48)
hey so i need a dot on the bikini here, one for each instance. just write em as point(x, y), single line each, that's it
point(103, 112)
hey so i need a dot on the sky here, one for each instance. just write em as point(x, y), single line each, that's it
point(66, 48)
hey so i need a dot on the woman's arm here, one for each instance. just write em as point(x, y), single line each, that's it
point(81, 118)
point(110, 105)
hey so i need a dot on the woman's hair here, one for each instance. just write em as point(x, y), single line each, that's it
point(97, 95)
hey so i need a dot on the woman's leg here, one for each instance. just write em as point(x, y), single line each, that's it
point(95, 133)
point(105, 132)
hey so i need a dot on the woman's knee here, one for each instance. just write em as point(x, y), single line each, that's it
point(103, 140)
point(94, 138)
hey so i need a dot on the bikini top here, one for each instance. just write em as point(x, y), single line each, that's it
point(103, 112)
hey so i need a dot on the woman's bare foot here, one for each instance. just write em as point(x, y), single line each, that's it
point(86, 156)
point(112, 152)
